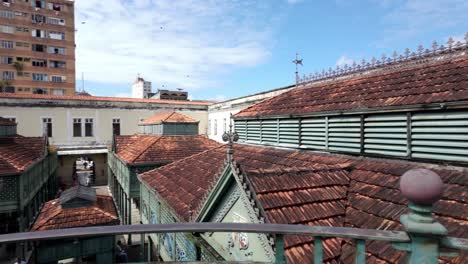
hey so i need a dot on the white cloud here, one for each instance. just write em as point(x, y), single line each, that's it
point(344, 60)
point(414, 18)
point(184, 43)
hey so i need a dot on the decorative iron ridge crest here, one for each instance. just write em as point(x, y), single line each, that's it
point(395, 59)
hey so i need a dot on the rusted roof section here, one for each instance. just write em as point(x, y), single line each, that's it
point(100, 98)
point(160, 149)
point(17, 153)
point(296, 187)
point(168, 117)
point(184, 183)
point(53, 216)
point(445, 80)
point(6, 122)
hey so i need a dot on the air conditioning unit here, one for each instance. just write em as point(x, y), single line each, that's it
point(6, 4)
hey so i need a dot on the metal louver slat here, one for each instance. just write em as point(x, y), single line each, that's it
point(270, 131)
point(240, 128)
point(253, 131)
point(342, 133)
point(386, 134)
point(289, 132)
point(442, 135)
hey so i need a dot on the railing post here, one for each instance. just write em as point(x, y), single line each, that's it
point(279, 249)
point(422, 188)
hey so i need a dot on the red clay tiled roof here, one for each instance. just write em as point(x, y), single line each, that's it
point(168, 117)
point(101, 98)
point(6, 122)
point(439, 82)
point(160, 149)
point(315, 189)
point(53, 216)
point(17, 153)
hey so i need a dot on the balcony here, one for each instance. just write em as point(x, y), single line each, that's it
point(424, 240)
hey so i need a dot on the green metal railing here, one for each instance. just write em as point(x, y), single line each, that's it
point(425, 239)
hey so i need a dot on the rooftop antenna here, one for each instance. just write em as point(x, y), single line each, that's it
point(298, 62)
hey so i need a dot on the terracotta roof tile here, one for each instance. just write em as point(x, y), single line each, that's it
point(160, 149)
point(168, 117)
point(53, 216)
point(17, 153)
point(443, 81)
point(315, 189)
point(100, 98)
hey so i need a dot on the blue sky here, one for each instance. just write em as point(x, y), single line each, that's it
point(219, 49)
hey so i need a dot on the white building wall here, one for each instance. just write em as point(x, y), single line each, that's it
point(141, 89)
point(29, 121)
point(219, 115)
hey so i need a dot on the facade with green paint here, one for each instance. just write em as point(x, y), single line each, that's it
point(27, 180)
point(169, 247)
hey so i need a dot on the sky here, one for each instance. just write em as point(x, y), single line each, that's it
point(222, 49)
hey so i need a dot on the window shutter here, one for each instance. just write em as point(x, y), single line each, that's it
point(313, 133)
point(289, 132)
point(253, 131)
point(344, 133)
point(386, 134)
point(240, 127)
point(441, 136)
point(270, 131)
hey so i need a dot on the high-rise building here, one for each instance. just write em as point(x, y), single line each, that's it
point(37, 47)
point(141, 88)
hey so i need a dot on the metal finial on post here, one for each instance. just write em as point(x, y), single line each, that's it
point(298, 62)
point(422, 188)
point(230, 137)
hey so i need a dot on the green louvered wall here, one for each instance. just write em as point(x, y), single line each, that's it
point(436, 135)
point(442, 136)
point(386, 134)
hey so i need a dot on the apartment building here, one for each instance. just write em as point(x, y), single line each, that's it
point(37, 47)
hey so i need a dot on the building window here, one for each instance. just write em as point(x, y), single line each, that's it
point(22, 29)
point(6, 14)
point(6, 29)
point(116, 126)
point(22, 44)
point(88, 127)
point(56, 21)
point(38, 47)
point(55, 6)
point(215, 130)
point(6, 60)
point(38, 33)
point(56, 50)
point(209, 127)
point(8, 75)
point(8, 89)
point(39, 63)
point(58, 92)
point(6, 44)
point(57, 64)
point(39, 91)
point(38, 3)
point(57, 35)
point(36, 19)
point(224, 125)
point(76, 127)
point(47, 126)
point(39, 77)
point(58, 79)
